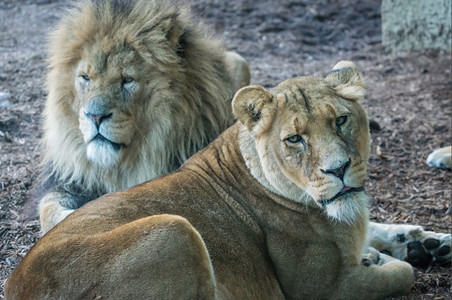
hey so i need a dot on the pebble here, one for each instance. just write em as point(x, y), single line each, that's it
point(5, 103)
point(4, 99)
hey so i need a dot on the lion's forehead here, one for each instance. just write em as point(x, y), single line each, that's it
point(313, 103)
point(304, 93)
point(310, 105)
point(103, 60)
point(309, 83)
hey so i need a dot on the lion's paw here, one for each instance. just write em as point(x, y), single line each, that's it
point(425, 247)
point(440, 158)
point(431, 247)
point(372, 257)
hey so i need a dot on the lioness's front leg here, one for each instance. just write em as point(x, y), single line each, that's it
point(157, 257)
point(410, 243)
point(391, 277)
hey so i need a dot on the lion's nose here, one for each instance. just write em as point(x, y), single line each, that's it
point(98, 118)
point(338, 172)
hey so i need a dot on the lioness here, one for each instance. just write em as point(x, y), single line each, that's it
point(134, 89)
point(274, 208)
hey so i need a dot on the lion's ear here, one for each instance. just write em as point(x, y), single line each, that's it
point(251, 105)
point(173, 29)
point(347, 81)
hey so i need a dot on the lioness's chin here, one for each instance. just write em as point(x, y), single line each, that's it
point(348, 208)
point(103, 153)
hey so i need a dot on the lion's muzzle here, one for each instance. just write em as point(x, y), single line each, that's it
point(97, 119)
point(106, 131)
point(338, 172)
point(344, 191)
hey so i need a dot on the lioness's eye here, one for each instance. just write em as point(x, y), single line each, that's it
point(85, 77)
point(341, 120)
point(294, 139)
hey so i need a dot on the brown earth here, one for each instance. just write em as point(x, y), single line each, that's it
point(408, 95)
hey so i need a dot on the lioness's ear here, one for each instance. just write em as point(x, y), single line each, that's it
point(250, 105)
point(347, 81)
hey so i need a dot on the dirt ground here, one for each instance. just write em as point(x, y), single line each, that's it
point(408, 95)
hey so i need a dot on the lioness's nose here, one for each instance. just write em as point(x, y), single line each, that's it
point(98, 119)
point(338, 172)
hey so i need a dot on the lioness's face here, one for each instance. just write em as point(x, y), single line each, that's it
point(106, 86)
point(312, 144)
point(318, 141)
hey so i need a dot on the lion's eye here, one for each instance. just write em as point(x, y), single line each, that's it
point(85, 77)
point(127, 80)
point(341, 120)
point(294, 139)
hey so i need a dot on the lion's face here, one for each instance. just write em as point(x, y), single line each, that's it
point(312, 142)
point(134, 89)
point(106, 89)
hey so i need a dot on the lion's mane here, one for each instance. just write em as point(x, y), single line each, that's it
point(188, 107)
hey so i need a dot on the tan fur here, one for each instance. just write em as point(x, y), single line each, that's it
point(159, 82)
point(249, 217)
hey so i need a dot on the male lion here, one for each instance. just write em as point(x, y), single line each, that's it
point(135, 88)
point(274, 208)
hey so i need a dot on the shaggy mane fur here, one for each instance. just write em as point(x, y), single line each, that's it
point(181, 115)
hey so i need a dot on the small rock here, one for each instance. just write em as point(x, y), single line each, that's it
point(5, 96)
point(4, 99)
point(5, 103)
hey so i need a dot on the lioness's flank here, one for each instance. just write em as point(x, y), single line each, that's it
point(134, 89)
point(272, 209)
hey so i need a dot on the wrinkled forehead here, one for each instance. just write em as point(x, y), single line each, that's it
point(306, 104)
point(102, 56)
point(309, 95)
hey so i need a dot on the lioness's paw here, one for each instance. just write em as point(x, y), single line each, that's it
point(440, 158)
point(426, 247)
point(435, 247)
point(372, 257)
